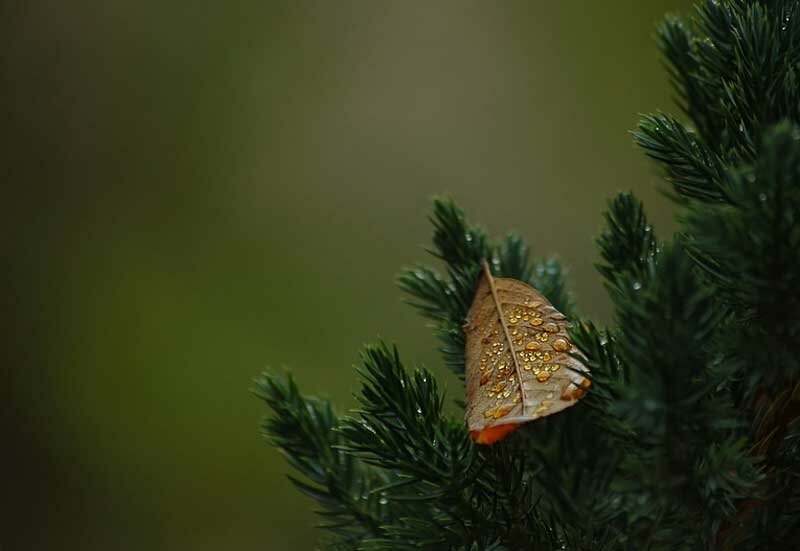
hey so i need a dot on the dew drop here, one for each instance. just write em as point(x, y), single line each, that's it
point(550, 327)
point(560, 345)
point(637, 285)
point(542, 376)
point(497, 412)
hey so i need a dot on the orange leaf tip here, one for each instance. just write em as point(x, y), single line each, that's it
point(492, 434)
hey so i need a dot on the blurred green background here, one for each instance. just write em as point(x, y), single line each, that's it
point(195, 191)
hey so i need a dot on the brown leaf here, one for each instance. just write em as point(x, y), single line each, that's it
point(540, 378)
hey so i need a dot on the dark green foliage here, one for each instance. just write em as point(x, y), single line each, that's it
point(305, 429)
point(689, 437)
point(694, 170)
point(628, 245)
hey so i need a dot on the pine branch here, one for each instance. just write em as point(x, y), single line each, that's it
point(666, 342)
point(628, 245)
point(693, 169)
point(400, 428)
point(750, 247)
point(305, 430)
point(734, 68)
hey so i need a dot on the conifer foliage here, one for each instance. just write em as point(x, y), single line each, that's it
point(689, 437)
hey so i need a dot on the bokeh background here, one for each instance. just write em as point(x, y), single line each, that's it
point(194, 191)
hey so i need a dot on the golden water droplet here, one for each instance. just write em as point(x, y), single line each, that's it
point(512, 320)
point(542, 376)
point(497, 412)
point(532, 346)
point(573, 392)
point(517, 397)
point(527, 366)
point(560, 345)
point(498, 387)
point(554, 367)
point(550, 327)
point(506, 394)
point(526, 318)
point(536, 321)
point(543, 336)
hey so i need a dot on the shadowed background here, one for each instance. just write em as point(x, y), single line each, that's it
point(195, 192)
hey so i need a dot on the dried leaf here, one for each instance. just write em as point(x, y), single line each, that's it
point(540, 378)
